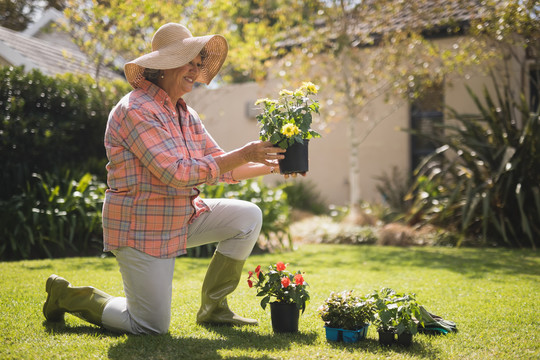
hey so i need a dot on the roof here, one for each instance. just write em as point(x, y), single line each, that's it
point(18, 49)
point(433, 17)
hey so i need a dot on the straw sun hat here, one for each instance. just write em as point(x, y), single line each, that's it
point(174, 46)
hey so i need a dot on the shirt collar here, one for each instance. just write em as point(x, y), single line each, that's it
point(159, 94)
point(182, 104)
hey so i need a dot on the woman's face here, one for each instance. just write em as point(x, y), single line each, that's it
point(179, 81)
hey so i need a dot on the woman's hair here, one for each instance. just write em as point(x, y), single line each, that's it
point(153, 75)
point(203, 54)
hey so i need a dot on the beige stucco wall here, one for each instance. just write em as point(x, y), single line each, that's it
point(224, 113)
point(383, 144)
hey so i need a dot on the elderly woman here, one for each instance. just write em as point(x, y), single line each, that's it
point(159, 152)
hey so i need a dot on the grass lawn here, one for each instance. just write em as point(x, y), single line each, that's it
point(493, 295)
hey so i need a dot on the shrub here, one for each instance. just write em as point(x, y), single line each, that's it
point(483, 180)
point(303, 195)
point(393, 189)
point(51, 124)
point(54, 217)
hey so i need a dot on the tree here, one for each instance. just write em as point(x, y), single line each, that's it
point(365, 50)
point(108, 29)
point(361, 50)
point(17, 15)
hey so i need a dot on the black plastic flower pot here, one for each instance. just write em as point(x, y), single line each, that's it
point(386, 337)
point(296, 159)
point(404, 339)
point(284, 317)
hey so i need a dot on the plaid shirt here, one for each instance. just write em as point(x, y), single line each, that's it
point(158, 154)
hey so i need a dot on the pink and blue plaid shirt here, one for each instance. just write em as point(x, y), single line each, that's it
point(158, 153)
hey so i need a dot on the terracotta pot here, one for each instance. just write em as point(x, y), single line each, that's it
point(284, 317)
point(296, 159)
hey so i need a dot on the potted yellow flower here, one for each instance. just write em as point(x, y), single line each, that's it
point(286, 122)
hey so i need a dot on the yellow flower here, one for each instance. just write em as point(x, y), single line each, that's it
point(260, 101)
point(310, 87)
point(290, 130)
point(266, 101)
point(285, 92)
point(298, 93)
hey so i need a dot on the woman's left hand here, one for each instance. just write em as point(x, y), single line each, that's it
point(263, 152)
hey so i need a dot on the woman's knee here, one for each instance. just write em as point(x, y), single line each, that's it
point(152, 325)
point(254, 213)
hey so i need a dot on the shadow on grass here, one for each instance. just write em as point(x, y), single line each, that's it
point(418, 349)
point(230, 339)
point(61, 328)
point(475, 263)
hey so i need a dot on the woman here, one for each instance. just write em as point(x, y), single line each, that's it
point(158, 152)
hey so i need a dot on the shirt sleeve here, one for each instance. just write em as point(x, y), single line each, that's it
point(213, 149)
point(150, 139)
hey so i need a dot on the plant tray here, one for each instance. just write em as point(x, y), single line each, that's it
point(347, 336)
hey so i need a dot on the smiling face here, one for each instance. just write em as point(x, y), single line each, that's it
point(179, 81)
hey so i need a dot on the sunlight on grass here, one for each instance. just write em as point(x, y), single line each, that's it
point(492, 295)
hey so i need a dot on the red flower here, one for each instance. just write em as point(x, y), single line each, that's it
point(280, 266)
point(285, 281)
point(258, 270)
point(250, 274)
point(250, 283)
point(298, 279)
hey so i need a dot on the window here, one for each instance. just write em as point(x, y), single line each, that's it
point(426, 113)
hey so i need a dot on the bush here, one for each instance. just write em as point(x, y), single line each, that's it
point(51, 125)
point(483, 180)
point(54, 217)
point(303, 195)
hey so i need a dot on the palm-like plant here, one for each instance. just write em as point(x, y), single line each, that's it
point(484, 178)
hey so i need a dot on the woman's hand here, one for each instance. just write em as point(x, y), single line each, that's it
point(262, 152)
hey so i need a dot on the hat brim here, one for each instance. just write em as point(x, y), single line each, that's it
point(170, 58)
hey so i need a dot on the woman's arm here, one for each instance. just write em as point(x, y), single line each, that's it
point(251, 170)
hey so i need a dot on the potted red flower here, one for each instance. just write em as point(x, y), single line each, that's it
point(286, 293)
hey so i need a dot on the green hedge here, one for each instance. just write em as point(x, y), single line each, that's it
point(51, 124)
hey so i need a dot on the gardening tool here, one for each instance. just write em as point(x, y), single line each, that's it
point(434, 324)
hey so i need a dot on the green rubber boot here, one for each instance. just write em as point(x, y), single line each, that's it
point(84, 302)
point(221, 279)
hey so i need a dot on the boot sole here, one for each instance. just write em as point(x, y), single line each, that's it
point(55, 316)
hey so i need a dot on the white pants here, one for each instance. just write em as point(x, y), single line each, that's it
point(146, 309)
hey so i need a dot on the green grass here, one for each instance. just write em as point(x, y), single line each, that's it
point(492, 294)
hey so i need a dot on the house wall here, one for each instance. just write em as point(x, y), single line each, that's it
point(383, 145)
point(223, 111)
